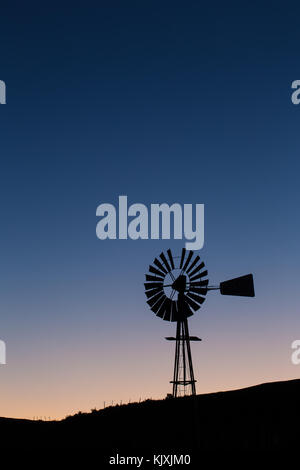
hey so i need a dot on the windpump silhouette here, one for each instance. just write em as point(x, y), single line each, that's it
point(176, 287)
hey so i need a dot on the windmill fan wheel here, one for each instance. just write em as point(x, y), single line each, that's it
point(176, 286)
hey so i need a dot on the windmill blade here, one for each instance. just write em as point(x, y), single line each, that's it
point(196, 297)
point(152, 292)
point(160, 266)
point(193, 264)
point(171, 258)
point(167, 309)
point(193, 304)
point(203, 274)
point(197, 269)
point(186, 306)
point(241, 286)
point(187, 261)
point(156, 271)
point(152, 285)
point(183, 306)
point(154, 299)
point(162, 309)
point(199, 283)
point(164, 259)
point(198, 290)
point(154, 278)
point(182, 257)
point(155, 308)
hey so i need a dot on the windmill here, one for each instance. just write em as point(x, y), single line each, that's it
point(176, 287)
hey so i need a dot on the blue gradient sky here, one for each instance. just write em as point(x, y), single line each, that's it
point(163, 102)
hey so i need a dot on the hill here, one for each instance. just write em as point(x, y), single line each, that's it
point(263, 417)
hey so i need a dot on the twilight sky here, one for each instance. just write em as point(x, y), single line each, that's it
point(163, 102)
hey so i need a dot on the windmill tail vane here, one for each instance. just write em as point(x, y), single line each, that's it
point(176, 288)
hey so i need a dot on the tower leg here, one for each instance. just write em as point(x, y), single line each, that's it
point(176, 362)
point(189, 354)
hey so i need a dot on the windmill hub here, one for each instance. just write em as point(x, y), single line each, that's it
point(179, 284)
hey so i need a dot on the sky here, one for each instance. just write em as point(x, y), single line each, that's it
point(162, 102)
